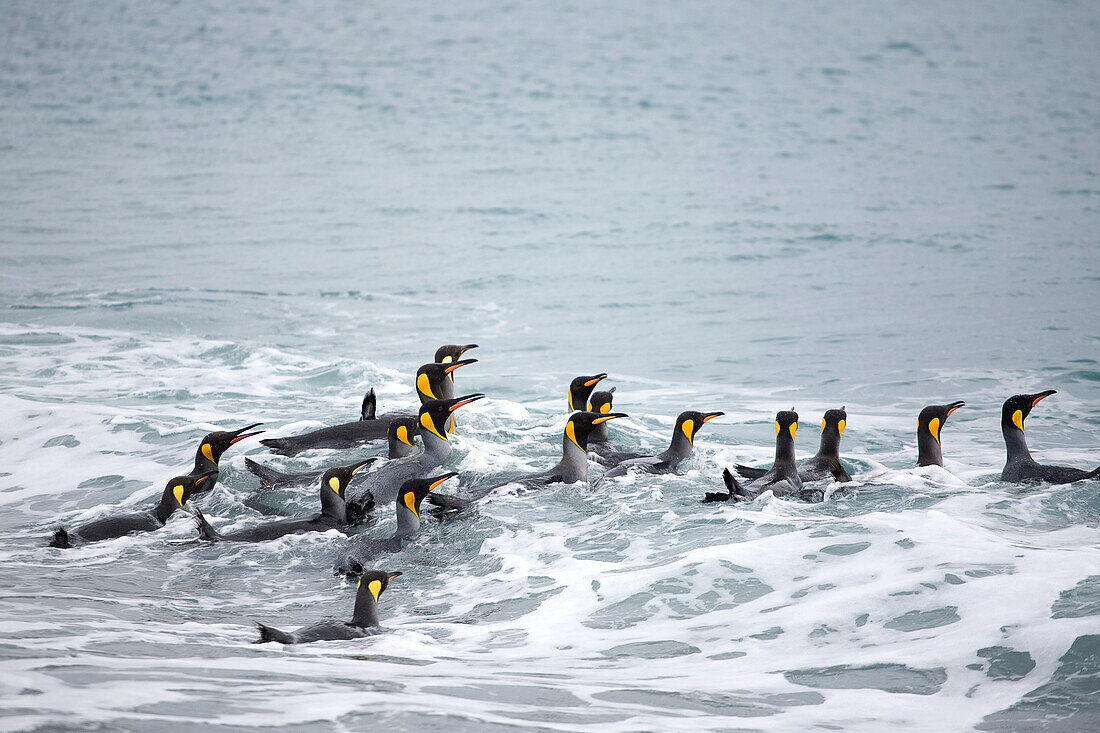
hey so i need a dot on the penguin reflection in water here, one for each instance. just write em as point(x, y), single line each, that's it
point(364, 620)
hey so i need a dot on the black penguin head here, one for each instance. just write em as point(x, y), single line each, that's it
point(337, 479)
point(215, 444)
point(403, 430)
point(689, 422)
point(414, 490)
point(435, 413)
point(1016, 408)
point(601, 401)
point(786, 421)
point(178, 490)
point(451, 352)
point(580, 426)
point(430, 376)
point(931, 419)
point(834, 421)
point(376, 581)
point(580, 388)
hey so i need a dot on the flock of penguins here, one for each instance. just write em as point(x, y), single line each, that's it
point(350, 492)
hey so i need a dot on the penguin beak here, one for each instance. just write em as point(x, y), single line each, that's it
point(394, 574)
point(458, 364)
point(952, 407)
point(711, 415)
point(592, 382)
point(241, 435)
point(205, 476)
point(1037, 398)
point(440, 480)
point(356, 468)
point(462, 401)
point(462, 351)
point(608, 416)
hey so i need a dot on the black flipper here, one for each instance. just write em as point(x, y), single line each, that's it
point(370, 406)
point(357, 511)
point(268, 476)
point(751, 473)
point(736, 493)
point(269, 634)
point(838, 471)
point(60, 538)
point(448, 502)
point(206, 532)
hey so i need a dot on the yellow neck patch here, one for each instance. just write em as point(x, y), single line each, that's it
point(410, 502)
point(793, 427)
point(334, 484)
point(777, 428)
point(1018, 419)
point(934, 428)
point(606, 408)
point(208, 452)
point(688, 429)
point(375, 588)
point(451, 425)
point(571, 433)
point(569, 396)
point(177, 491)
point(428, 424)
point(840, 427)
point(823, 425)
point(447, 360)
point(425, 386)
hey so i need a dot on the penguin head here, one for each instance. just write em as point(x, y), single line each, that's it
point(1017, 407)
point(403, 430)
point(931, 419)
point(689, 422)
point(178, 490)
point(430, 376)
point(215, 444)
point(786, 421)
point(601, 401)
point(435, 413)
point(451, 352)
point(834, 421)
point(581, 424)
point(580, 388)
point(337, 479)
point(376, 581)
point(414, 490)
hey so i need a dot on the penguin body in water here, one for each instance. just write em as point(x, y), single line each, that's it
point(333, 514)
point(826, 464)
point(364, 620)
point(572, 467)
point(364, 550)
point(929, 423)
point(781, 479)
point(599, 443)
point(210, 451)
point(1020, 467)
point(687, 427)
point(176, 493)
point(432, 380)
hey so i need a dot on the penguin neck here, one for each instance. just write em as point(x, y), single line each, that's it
point(408, 524)
point(784, 449)
point(400, 450)
point(679, 449)
point(574, 461)
point(599, 434)
point(928, 449)
point(366, 608)
point(333, 505)
point(446, 388)
point(1015, 443)
point(167, 505)
point(830, 445)
point(435, 448)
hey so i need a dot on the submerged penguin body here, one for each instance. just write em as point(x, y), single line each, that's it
point(687, 427)
point(364, 622)
point(826, 464)
point(781, 479)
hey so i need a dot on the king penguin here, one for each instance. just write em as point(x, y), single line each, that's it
point(687, 427)
point(826, 464)
point(929, 423)
point(1020, 467)
point(781, 479)
point(364, 620)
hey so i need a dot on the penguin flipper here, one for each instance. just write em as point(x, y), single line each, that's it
point(60, 538)
point(838, 471)
point(749, 472)
point(267, 633)
point(206, 532)
point(268, 476)
point(448, 502)
point(369, 410)
point(731, 483)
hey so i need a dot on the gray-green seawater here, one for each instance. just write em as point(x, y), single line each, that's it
point(214, 215)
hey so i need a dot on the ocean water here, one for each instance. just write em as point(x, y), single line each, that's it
point(213, 215)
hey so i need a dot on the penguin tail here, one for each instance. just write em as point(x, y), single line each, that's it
point(749, 472)
point(206, 532)
point(267, 633)
point(347, 565)
point(733, 489)
point(268, 476)
point(369, 410)
point(60, 538)
point(281, 445)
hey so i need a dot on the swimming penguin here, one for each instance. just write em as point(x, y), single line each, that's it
point(364, 620)
point(580, 389)
point(431, 381)
point(175, 496)
point(364, 549)
point(450, 354)
point(572, 467)
point(826, 464)
point(687, 427)
point(333, 514)
point(1020, 467)
point(782, 479)
point(211, 449)
point(400, 440)
point(381, 486)
point(599, 442)
point(929, 423)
